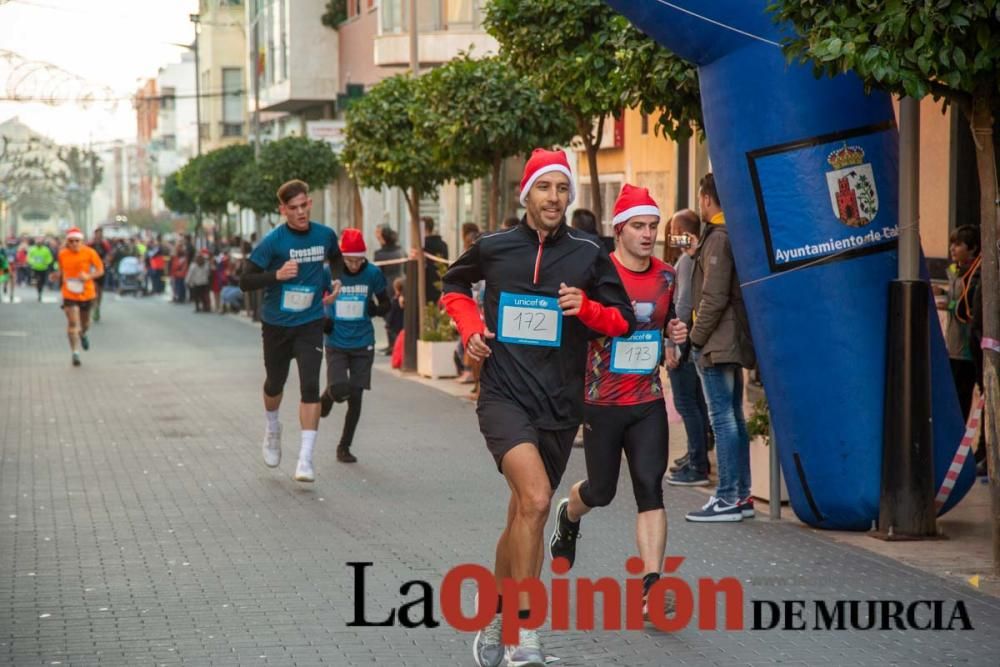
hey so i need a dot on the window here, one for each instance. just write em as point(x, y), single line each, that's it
point(284, 40)
point(645, 123)
point(392, 16)
point(167, 99)
point(232, 129)
point(353, 8)
point(232, 100)
point(459, 12)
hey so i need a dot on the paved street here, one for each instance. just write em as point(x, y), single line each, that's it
point(138, 525)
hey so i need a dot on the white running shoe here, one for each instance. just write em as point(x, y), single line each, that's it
point(304, 471)
point(272, 448)
point(528, 652)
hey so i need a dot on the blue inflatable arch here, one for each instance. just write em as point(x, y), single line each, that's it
point(807, 173)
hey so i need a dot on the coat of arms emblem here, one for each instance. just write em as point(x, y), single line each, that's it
point(852, 186)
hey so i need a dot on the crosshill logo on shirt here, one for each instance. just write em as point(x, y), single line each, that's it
point(314, 254)
point(355, 289)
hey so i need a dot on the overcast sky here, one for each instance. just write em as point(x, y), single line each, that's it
point(115, 44)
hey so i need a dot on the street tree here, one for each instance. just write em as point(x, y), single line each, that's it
point(251, 191)
point(384, 149)
point(658, 83)
point(592, 61)
point(208, 178)
point(567, 48)
point(255, 185)
point(175, 198)
point(482, 112)
point(949, 49)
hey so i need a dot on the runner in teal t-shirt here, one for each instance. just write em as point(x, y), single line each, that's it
point(288, 266)
point(359, 295)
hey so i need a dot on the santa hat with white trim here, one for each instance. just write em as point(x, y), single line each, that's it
point(633, 201)
point(352, 243)
point(74, 233)
point(542, 162)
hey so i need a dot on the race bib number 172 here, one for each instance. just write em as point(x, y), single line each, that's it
point(529, 319)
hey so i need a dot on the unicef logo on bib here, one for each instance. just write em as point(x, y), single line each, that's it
point(529, 319)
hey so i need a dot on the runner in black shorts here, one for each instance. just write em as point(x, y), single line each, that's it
point(624, 408)
point(548, 289)
point(288, 265)
point(358, 296)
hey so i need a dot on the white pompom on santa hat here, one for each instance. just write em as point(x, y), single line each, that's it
point(633, 201)
point(542, 162)
point(74, 233)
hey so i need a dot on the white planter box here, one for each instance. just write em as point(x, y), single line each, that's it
point(436, 359)
point(760, 472)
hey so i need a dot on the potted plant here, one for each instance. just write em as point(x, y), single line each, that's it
point(436, 347)
point(759, 428)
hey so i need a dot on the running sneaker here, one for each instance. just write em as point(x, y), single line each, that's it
point(344, 455)
point(680, 463)
point(85, 342)
point(528, 652)
point(272, 448)
point(746, 507)
point(487, 647)
point(304, 471)
point(76, 358)
point(564, 535)
point(716, 510)
point(686, 476)
point(669, 598)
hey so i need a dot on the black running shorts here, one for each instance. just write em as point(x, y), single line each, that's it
point(505, 426)
point(303, 343)
point(84, 306)
point(350, 367)
point(638, 430)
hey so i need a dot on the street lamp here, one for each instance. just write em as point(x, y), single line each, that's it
point(196, 19)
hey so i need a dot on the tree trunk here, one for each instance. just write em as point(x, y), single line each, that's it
point(982, 129)
point(491, 220)
point(413, 201)
point(591, 145)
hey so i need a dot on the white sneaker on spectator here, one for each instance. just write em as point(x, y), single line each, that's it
point(272, 448)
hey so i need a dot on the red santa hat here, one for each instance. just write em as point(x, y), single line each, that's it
point(542, 162)
point(74, 233)
point(633, 201)
point(352, 243)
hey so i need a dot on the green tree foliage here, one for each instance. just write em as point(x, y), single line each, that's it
point(481, 112)
point(208, 178)
point(590, 59)
point(335, 13)
point(255, 185)
point(176, 199)
point(384, 148)
point(950, 49)
point(659, 84)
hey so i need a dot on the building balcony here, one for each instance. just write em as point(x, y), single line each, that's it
point(435, 48)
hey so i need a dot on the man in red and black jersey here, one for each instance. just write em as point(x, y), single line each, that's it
point(624, 408)
point(549, 288)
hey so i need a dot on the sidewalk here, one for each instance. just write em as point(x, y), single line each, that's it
point(139, 527)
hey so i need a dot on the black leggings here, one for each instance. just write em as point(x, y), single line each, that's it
point(638, 430)
point(352, 417)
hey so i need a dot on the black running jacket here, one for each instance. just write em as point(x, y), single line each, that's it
point(546, 382)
